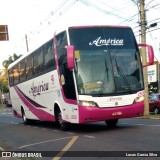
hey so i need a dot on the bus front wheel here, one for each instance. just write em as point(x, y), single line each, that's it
point(111, 123)
point(63, 125)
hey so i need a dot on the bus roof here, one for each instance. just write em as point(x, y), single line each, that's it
point(95, 26)
point(63, 28)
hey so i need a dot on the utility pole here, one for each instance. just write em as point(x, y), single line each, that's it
point(143, 24)
point(26, 42)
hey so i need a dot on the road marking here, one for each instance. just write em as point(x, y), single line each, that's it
point(14, 123)
point(28, 145)
point(1, 149)
point(66, 148)
point(70, 133)
point(55, 130)
point(154, 125)
point(89, 136)
point(138, 124)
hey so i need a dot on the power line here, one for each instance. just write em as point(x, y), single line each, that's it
point(59, 7)
point(148, 31)
point(153, 30)
point(120, 10)
point(129, 19)
point(153, 20)
point(65, 5)
point(89, 4)
point(68, 7)
point(155, 44)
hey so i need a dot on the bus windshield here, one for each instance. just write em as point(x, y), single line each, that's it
point(107, 61)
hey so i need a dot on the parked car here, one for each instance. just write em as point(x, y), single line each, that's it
point(7, 100)
point(9, 103)
point(154, 103)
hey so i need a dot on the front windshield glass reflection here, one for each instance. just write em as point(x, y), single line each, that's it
point(104, 72)
point(107, 60)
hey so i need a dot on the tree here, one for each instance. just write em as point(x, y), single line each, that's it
point(3, 74)
point(10, 60)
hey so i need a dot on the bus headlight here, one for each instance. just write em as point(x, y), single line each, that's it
point(87, 103)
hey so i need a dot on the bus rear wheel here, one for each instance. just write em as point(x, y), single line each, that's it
point(26, 121)
point(111, 123)
point(63, 125)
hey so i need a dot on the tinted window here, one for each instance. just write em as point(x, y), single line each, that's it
point(16, 74)
point(38, 61)
point(101, 38)
point(11, 78)
point(49, 60)
point(29, 67)
point(68, 86)
point(22, 71)
point(107, 60)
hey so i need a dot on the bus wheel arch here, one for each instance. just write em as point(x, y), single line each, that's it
point(58, 118)
point(56, 111)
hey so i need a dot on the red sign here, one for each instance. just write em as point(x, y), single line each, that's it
point(4, 33)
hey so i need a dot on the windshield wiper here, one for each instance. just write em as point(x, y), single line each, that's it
point(105, 75)
point(106, 67)
point(123, 76)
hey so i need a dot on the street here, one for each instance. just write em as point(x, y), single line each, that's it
point(93, 139)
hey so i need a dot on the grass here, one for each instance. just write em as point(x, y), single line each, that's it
point(151, 116)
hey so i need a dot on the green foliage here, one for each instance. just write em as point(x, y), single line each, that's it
point(10, 60)
point(3, 75)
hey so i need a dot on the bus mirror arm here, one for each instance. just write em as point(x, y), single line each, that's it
point(150, 54)
point(70, 57)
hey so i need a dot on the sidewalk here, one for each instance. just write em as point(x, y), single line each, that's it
point(4, 107)
point(3, 147)
point(151, 116)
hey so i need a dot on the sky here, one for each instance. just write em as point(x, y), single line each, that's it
point(38, 19)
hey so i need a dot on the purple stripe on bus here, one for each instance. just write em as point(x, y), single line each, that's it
point(39, 113)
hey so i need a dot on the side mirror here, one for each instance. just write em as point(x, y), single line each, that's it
point(70, 57)
point(150, 54)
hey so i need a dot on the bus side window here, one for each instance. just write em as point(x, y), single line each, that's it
point(29, 67)
point(16, 74)
point(38, 62)
point(22, 71)
point(11, 78)
point(49, 60)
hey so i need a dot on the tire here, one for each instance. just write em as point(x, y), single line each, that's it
point(156, 110)
point(26, 121)
point(111, 123)
point(64, 126)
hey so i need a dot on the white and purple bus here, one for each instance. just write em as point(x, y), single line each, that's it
point(83, 74)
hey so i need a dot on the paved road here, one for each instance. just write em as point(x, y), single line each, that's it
point(130, 135)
